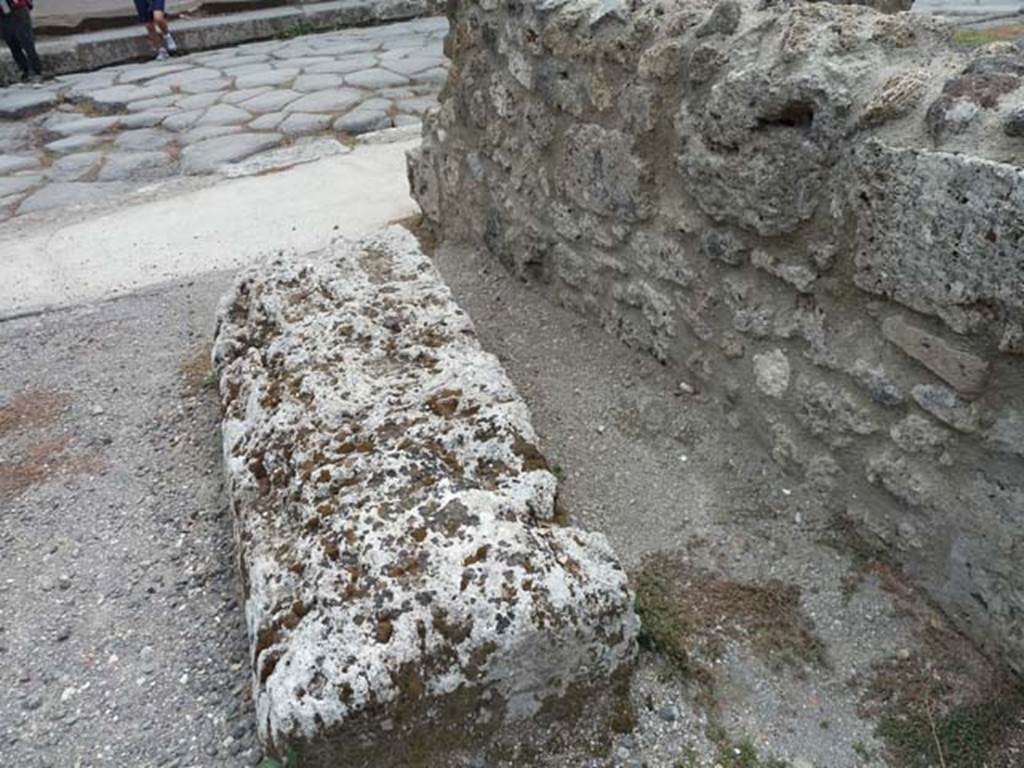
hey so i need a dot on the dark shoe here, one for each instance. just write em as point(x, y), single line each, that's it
point(25, 76)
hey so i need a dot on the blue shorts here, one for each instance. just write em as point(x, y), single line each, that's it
point(145, 9)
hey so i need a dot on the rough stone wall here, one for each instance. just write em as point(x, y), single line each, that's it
point(815, 211)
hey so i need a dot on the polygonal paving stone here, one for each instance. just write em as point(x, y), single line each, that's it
point(144, 139)
point(237, 97)
point(269, 77)
point(15, 163)
point(232, 61)
point(150, 105)
point(349, 46)
point(13, 185)
point(199, 101)
point(206, 86)
point(207, 156)
point(345, 66)
point(301, 123)
point(272, 101)
point(310, 83)
point(224, 114)
point(412, 65)
point(73, 144)
point(327, 101)
point(144, 119)
point(436, 76)
point(304, 61)
point(136, 166)
point(363, 120)
point(209, 132)
point(90, 126)
point(187, 76)
point(376, 78)
point(120, 96)
point(183, 120)
point(15, 104)
point(149, 71)
point(268, 122)
point(65, 195)
point(245, 69)
point(418, 105)
point(74, 167)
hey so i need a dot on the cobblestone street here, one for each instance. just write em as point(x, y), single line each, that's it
point(96, 134)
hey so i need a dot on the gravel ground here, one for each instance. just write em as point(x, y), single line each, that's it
point(121, 633)
point(120, 624)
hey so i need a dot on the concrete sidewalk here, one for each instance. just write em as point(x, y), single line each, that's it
point(92, 50)
point(72, 256)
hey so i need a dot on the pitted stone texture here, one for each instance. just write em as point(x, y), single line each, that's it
point(748, 190)
point(396, 523)
point(970, 259)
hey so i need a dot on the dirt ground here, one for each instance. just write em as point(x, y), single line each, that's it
point(773, 635)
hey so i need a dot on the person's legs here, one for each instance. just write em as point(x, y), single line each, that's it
point(26, 39)
point(144, 9)
point(8, 31)
point(160, 19)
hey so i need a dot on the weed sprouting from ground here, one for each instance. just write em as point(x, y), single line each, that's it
point(197, 373)
point(937, 712)
point(290, 760)
point(688, 614)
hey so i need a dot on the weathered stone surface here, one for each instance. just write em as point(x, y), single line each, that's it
point(121, 166)
point(207, 156)
point(119, 96)
point(686, 172)
point(967, 259)
point(337, 100)
point(15, 163)
point(897, 97)
point(300, 123)
point(945, 405)
point(403, 569)
point(958, 367)
point(18, 103)
point(67, 195)
point(771, 372)
point(89, 126)
point(224, 114)
point(272, 101)
point(73, 144)
point(11, 185)
point(362, 120)
point(74, 167)
point(375, 78)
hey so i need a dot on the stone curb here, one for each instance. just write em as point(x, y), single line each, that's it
point(100, 49)
point(406, 578)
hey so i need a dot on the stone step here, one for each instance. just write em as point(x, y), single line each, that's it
point(411, 594)
point(93, 50)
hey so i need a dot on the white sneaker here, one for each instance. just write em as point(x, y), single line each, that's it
point(162, 55)
point(170, 43)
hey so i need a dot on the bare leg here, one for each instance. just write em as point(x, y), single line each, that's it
point(155, 38)
point(160, 22)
